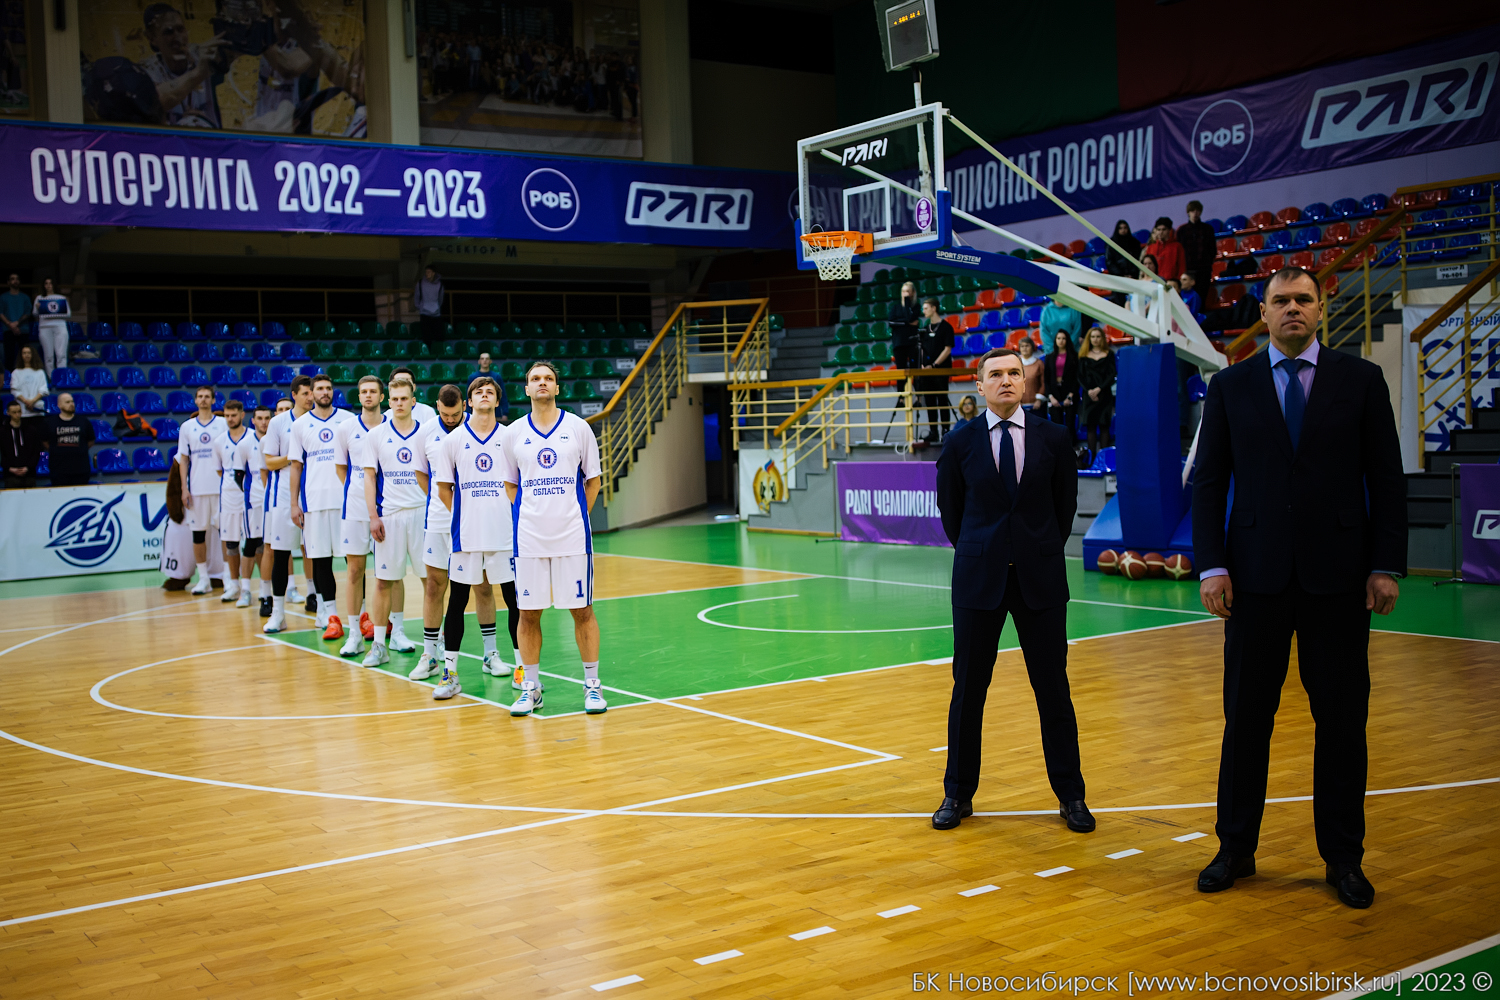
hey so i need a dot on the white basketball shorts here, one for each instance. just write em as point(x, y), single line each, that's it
point(354, 538)
point(437, 546)
point(255, 522)
point(281, 534)
point(475, 567)
point(231, 525)
point(320, 533)
point(204, 513)
point(402, 546)
point(559, 582)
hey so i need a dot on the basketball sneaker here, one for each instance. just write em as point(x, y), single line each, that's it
point(366, 625)
point(517, 678)
point(425, 668)
point(335, 628)
point(530, 701)
point(353, 645)
point(593, 698)
point(265, 607)
point(399, 643)
point(311, 604)
point(447, 685)
point(277, 623)
point(203, 586)
point(321, 619)
point(231, 591)
point(244, 598)
point(492, 665)
point(292, 596)
point(377, 657)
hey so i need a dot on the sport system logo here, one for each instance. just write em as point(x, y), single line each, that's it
point(550, 199)
point(546, 458)
point(86, 532)
point(1398, 102)
point(1222, 137)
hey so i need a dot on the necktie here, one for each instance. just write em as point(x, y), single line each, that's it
point(1295, 403)
point(1007, 459)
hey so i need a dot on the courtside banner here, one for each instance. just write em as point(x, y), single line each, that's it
point(889, 502)
point(1424, 98)
point(1479, 524)
point(72, 530)
point(85, 176)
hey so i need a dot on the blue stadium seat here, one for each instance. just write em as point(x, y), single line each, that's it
point(274, 331)
point(86, 404)
point(311, 370)
point(49, 405)
point(132, 377)
point(1465, 216)
point(1221, 228)
point(112, 461)
point(1144, 235)
point(218, 400)
point(224, 375)
point(171, 455)
point(194, 376)
point(149, 402)
point(167, 429)
point(990, 320)
point(176, 353)
point(269, 397)
point(164, 377)
point(246, 331)
point(1278, 239)
point(1317, 213)
point(189, 331)
point(340, 401)
point(1014, 318)
point(104, 432)
point(1469, 192)
point(99, 378)
point(114, 402)
point(101, 331)
point(146, 354)
point(114, 354)
point(1097, 245)
point(254, 375)
point(149, 460)
point(1347, 208)
point(282, 375)
point(65, 378)
point(1429, 221)
point(996, 339)
point(265, 352)
point(974, 344)
point(293, 351)
point(1373, 204)
point(75, 332)
point(1306, 237)
point(218, 331)
point(246, 397)
point(160, 331)
point(206, 352)
point(1235, 223)
point(181, 402)
point(132, 332)
point(236, 352)
point(1033, 315)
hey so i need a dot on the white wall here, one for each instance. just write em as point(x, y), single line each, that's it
point(669, 474)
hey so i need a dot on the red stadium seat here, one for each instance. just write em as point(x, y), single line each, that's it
point(959, 363)
point(1016, 336)
point(1338, 232)
point(1077, 247)
point(1253, 242)
point(1220, 266)
point(1115, 336)
point(1263, 220)
point(1328, 257)
point(986, 299)
point(1287, 216)
point(1303, 259)
point(1270, 264)
point(1005, 296)
point(971, 320)
point(1227, 246)
point(1230, 294)
point(1060, 248)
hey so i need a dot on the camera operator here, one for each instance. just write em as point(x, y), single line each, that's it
point(185, 75)
point(934, 346)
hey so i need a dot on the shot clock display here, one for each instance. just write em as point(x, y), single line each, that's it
point(908, 32)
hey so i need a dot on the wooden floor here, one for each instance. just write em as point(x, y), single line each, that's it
point(234, 818)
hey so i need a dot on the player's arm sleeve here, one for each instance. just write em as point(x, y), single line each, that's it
point(510, 472)
point(591, 465)
point(440, 462)
point(341, 445)
point(295, 451)
point(184, 447)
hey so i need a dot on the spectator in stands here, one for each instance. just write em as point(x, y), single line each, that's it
point(1139, 302)
point(427, 296)
point(68, 439)
point(15, 310)
point(934, 347)
point(1031, 367)
point(28, 383)
point(1170, 260)
point(484, 363)
point(1096, 383)
point(905, 316)
point(1113, 262)
point(1060, 380)
point(968, 409)
point(52, 315)
point(20, 448)
point(1187, 285)
point(1057, 317)
point(502, 406)
point(1198, 244)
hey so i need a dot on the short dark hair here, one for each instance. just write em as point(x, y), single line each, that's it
point(298, 383)
point(542, 364)
point(261, 406)
point(399, 369)
point(369, 378)
point(934, 303)
point(203, 388)
point(449, 395)
point(322, 377)
point(1195, 206)
point(1293, 274)
point(480, 383)
point(1163, 221)
point(233, 404)
point(996, 352)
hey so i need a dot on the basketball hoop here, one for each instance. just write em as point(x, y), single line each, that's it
point(834, 251)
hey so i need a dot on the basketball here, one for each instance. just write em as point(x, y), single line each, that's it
point(1132, 566)
point(1155, 564)
point(1178, 567)
point(1109, 562)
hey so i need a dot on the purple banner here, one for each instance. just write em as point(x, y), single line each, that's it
point(889, 502)
point(125, 177)
point(1479, 506)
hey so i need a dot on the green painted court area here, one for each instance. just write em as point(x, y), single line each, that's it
point(864, 607)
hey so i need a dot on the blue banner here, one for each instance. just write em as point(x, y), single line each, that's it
point(126, 177)
point(1417, 100)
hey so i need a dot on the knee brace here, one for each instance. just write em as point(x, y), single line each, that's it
point(199, 537)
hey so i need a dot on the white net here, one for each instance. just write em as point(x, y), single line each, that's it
point(832, 260)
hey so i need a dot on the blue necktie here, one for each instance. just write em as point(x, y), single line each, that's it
point(1007, 459)
point(1295, 403)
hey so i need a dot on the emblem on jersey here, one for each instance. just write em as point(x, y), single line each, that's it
point(404, 456)
point(546, 458)
point(86, 532)
point(768, 486)
point(325, 435)
point(203, 438)
point(484, 463)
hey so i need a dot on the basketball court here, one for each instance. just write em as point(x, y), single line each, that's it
point(252, 816)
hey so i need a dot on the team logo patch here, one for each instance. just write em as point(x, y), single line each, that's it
point(404, 456)
point(484, 463)
point(325, 435)
point(546, 458)
point(86, 532)
point(203, 438)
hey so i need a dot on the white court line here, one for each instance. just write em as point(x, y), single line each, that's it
point(937, 749)
point(1059, 870)
point(898, 911)
point(720, 957)
point(815, 932)
point(1427, 635)
point(1128, 853)
point(1190, 836)
point(979, 891)
point(1446, 958)
point(622, 981)
point(355, 664)
point(703, 617)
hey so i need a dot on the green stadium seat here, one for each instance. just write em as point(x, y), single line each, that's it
point(346, 330)
point(862, 353)
point(323, 331)
point(462, 372)
point(465, 331)
point(614, 329)
point(512, 371)
point(844, 334)
point(574, 329)
point(320, 351)
point(422, 351)
point(593, 329)
point(880, 331)
point(840, 371)
point(430, 394)
point(949, 303)
point(341, 374)
point(344, 350)
point(777, 321)
point(510, 330)
point(968, 283)
point(467, 349)
point(882, 276)
point(447, 350)
point(635, 329)
point(880, 353)
point(897, 275)
point(486, 347)
point(367, 350)
point(947, 283)
point(384, 371)
point(419, 373)
point(405, 350)
point(585, 391)
point(601, 368)
point(564, 393)
point(298, 330)
point(487, 331)
point(531, 350)
point(515, 392)
point(597, 348)
point(396, 330)
point(880, 294)
point(439, 372)
point(531, 329)
point(862, 312)
point(556, 349)
point(512, 348)
point(967, 299)
point(863, 295)
point(370, 330)
point(619, 349)
point(553, 329)
point(578, 368)
point(385, 349)
point(844, 355)
point(928, 286)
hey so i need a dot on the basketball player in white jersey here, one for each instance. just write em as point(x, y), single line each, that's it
point(396, 493)
point(248, 460)
point(349, 458)
point(552, 475)
point(231, 493)
point(436, 541)
point(420, 411)
point(282, 535)
point(317, 496)
point(470, 487)
point(200, 498)
point(296, 586)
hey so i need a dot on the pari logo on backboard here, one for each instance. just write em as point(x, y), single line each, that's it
point(550, 199)
point(872, 150)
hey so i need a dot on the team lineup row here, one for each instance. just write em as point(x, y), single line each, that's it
point(447, 493)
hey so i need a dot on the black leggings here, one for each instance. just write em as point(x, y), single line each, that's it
point(458, 600)
point(250, 548)
point(324, 581)
point(281, 570)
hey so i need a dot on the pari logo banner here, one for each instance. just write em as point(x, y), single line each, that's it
point(1415, 100)
point(890, 502)
point(81, 529)
point(123, 177)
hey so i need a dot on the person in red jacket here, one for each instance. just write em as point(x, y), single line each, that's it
point(1170, 259)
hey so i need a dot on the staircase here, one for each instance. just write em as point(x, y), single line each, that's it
point(1430, 494)
point(799, 354)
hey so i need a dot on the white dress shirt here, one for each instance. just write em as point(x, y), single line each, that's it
point(1017, 437)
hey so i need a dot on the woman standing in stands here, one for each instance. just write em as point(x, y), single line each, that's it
point(1118, 265)
point(1060, 384)
point(1031, 367)
point(28, 383)
point(1096, 383)
point(427, 296)
point(52, 313)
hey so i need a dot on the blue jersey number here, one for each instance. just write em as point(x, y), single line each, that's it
point(580, 589)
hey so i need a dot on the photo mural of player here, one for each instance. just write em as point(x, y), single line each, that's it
point(547, 76)
point(289, 67)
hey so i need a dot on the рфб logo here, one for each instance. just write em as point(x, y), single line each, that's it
point(550, 199)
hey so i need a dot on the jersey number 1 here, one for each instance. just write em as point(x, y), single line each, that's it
point(580, 589)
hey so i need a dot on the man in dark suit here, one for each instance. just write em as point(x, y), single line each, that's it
point(1007, 490)
point(1316, 540)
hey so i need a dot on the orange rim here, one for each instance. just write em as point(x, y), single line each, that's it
point(862, 243)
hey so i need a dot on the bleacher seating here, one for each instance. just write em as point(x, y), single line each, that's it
point(149, 403)
point(149, 459)
point(181, 402)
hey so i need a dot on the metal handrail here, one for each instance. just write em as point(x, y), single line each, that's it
point(1451, 306)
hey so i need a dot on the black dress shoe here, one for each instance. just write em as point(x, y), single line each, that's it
point(950, 813)
point(1354, 889)
point(265, 607)
point(1223, 870)
point(1080, 820)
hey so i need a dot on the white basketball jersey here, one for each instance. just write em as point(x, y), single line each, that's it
point(312, 445)
point(276, 444)
point(177, 559)
point(551, 515)
point(349, 450)
point(396, 459)
point(231, 489)
point(438, 518)
point(196, 441)
point(481, 518)
point(247, 456)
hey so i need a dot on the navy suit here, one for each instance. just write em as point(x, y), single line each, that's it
point(1008, 559)
point(1308, 526)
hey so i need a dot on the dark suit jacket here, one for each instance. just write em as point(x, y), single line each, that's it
point(990, 530)
point(1332, 513)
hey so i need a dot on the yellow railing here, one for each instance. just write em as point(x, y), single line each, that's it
point(1460, 359)
point(702, 341)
